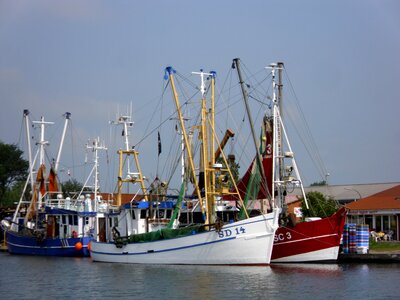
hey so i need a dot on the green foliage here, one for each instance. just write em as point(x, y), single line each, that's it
point(318, 183)
point(391, 246)
point(13, 194)
point(71, 187)
point(234, 167)
point(13, 169)
point(319, 205)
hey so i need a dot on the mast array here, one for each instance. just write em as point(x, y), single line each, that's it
point(282, 175)
point(209, 185)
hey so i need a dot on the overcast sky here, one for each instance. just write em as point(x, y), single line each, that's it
point(89, 57)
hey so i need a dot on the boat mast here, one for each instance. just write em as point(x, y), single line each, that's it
point(279, 100)
point(28, 139)
point(67, 118)
point(42, 143)
point(281, 178)
point(170, 71)
point(208, 146)
point(277, 152)
point(236, 62)
point(95, 147)
point(30, 179)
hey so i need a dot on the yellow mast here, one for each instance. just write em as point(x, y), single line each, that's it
point(211, 158)
point(208, 149)
point(138, 177)
point(190, 158)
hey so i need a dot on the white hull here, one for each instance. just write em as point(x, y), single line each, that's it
point(324, 255)
point(245, 242)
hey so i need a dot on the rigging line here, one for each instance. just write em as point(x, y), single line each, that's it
point(159, 131)
point(305, 138)
point(312, 140)
point(174, 163)
point(186, 79)
point(152, 116)
point(229, 94)
point(253, 90)
point(21, 129)
point(168, 159)
point(308, 131)
point(302, 140)
point(162, 123)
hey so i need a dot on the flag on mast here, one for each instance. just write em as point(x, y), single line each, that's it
point(159, 144)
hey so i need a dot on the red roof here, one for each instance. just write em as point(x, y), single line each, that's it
point(387, 199)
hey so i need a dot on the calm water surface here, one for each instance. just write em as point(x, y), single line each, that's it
point(25, 277)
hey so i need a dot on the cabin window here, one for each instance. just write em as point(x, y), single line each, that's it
point(169, 213)
point(64, 220)
point(143, 214)
point(160, 213)
point(86, 220)
point(70, 220)
point(75, 220)
point(133, 214)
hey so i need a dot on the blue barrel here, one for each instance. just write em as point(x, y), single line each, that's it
point(352, 238)
point(362, 238)
point(345, 239)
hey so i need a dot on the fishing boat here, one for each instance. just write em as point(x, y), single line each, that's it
point(47, 223)
point(150, 230)
point(315, 239)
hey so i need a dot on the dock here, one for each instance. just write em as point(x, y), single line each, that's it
point(387, 257)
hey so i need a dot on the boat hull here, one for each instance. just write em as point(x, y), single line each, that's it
point(29, 245)
point(238, 243)
point(314, 241)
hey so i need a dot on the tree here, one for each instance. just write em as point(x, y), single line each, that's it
point(13, 168)
point(319, 205)
point(13, 194)
point(233, 166)
point(318, 183)
point(71, 187)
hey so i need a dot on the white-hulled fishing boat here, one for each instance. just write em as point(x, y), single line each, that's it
point(247, 241)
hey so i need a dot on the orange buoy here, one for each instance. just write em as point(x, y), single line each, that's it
point(78, 246)
point(88, 246)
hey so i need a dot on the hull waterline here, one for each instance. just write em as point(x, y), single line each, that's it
point(314, 241)
point(239, 243)
point(24, 245)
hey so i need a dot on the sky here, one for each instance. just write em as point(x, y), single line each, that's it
point(93, 58)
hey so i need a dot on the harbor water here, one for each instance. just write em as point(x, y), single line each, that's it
point(27, 277)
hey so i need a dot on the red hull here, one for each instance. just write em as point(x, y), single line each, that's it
point(292, 244)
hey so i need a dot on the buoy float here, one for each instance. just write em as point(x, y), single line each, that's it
point(78, 246)
point(88, 246)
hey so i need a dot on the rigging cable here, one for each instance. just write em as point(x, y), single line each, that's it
point(318, 162)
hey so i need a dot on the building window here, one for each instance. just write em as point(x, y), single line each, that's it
point(378, 223)
point(369, 221)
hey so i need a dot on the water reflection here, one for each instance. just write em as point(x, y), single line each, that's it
point(315, 269)
point(25, 277)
